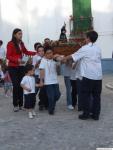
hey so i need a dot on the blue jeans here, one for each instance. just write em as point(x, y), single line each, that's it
point(68, 90)
point(53, 94)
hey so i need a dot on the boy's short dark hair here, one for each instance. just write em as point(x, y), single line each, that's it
point(48, 48)
point(1, 42)
point(92, 35)
point(40, 47)
point(46, 39)
point(28, 68)
point(36, 44)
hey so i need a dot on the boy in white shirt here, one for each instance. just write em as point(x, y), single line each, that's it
point(48, 77)
point(36, 62)
point(28, 85)
point(90, 74)
point(43, 101)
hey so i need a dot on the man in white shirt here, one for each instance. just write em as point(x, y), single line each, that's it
point(90, 74)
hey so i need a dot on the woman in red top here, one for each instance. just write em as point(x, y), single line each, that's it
point(15, 53)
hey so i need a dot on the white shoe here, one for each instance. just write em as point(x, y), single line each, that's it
point(15, 109)
point(70, 107)
point(30, 115)
point(6, 95)
point(33, 113)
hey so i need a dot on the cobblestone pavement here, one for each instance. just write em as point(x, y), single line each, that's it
point(63, 131)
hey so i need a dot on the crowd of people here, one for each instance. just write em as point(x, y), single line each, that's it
point(33, 74)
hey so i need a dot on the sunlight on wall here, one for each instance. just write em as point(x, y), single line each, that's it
point(102, 11)
point(42, 7)
point(66, 8)
point(37, 18)
point(102, 5)
point(46, 17)
point(10, 11)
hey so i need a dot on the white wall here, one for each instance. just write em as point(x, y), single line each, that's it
point(102, 11)
point(12, 15)
point(37, 18)
point(44, 18)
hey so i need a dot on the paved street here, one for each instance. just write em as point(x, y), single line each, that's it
point(63, 131)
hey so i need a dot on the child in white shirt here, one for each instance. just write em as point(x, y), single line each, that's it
point(48, 77)
point(43, 101)
point(28, 85)
point(36, 62)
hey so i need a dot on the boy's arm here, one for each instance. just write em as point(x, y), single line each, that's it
point(37, 64)
point(25, 88)
point(42, 76)
point(67, 58)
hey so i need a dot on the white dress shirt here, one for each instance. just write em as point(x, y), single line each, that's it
point(49, 66)
point(89, 62)
point(36, 60)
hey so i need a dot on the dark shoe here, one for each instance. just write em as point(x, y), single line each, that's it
point(83, 117)
point(51, 112)
point(94, 117)
point(80, 109)
point(46, 108)
point(41, 108)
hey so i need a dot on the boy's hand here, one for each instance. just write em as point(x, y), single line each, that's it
point(41, 84)
point(28, 89)
point(37, 65)
point(64, 60)
point(56, 55)
point(21, 62)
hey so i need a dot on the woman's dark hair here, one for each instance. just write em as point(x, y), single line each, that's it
point(28, 68)
point(14, 40)
point(92, 35)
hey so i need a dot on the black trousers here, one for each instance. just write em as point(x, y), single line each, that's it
point(74, 92)
point(16, 74)
point(37, 80)
point(91, 96)
point(79, 92)
point(43, 97)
